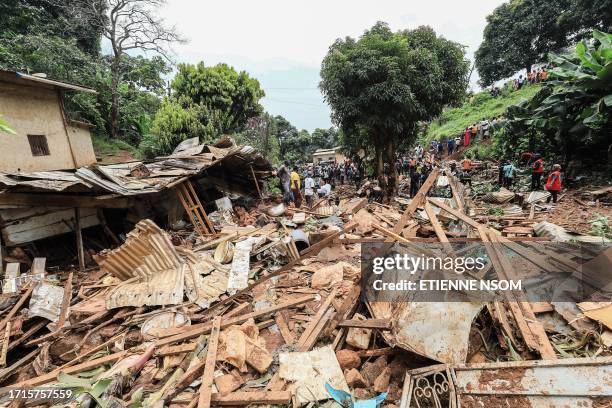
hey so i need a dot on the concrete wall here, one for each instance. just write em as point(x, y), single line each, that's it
point(36, 111)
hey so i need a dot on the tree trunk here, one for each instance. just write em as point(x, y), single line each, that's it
point(114, 111)
point(392, 180)
point(380, 164)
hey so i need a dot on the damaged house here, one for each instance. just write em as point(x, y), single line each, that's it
point(55, 187)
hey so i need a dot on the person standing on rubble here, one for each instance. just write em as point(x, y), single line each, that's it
point(553, 183)
point(537, 168)
point(415, 177)
point(285, 179)
point(295, 187)
point(309, 186)
point(509, 173)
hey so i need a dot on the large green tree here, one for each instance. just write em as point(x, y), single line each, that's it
point(520, 33)
point(205, 102)
point(385, 83)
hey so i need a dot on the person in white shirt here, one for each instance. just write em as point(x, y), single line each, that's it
point(325, 189)
point(309, 185)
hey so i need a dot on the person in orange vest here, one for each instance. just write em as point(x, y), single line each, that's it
point(467, 164)
point(537, 168)
point(553, 183)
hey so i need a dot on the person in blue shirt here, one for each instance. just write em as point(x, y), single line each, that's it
point(509, 171)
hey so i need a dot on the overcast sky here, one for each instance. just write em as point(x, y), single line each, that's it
point(282, 43)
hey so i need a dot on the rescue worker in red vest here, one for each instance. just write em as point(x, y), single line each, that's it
point(537, 168)
point(553, 183)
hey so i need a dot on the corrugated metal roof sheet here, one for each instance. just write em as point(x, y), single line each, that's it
point(189, 159)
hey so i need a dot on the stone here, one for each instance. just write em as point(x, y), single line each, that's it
point(381, 384)
point(348, 359)
point(372, 369)
point(354, 379)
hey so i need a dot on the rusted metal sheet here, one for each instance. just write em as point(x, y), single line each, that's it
point(575, 382)
point(146, 251)
point(437, 330)
point(163, 288)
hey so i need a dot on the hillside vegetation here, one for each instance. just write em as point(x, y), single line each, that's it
point(482, 105)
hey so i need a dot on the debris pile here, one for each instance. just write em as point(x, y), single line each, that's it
point(269, 309)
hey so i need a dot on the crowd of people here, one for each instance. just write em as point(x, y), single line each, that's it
point(532, 77)
point(318, 180)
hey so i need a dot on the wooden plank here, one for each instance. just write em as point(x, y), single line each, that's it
point(314, 328)
point(5, 344)
point(181, 334)
point(62, 201)
point(209, 368)
point(350, 303)
point(433, 219)
point(256, 182)
point(87, 365)
point(381, 324)
point(16, 307)
point(417, 201)
point(242, 398)
point(456, 213)
point(79, 238)
point(284, 328)
point(65, 302)
point(385, 351)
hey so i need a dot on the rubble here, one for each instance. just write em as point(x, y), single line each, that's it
point(265, 306)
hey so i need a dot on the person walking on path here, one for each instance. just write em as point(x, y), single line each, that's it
point(553, 183)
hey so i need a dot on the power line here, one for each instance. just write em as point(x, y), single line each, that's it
point(292, 89)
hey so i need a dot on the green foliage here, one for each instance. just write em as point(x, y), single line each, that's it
point(4, 127)
point(41, 36)
point(573, 112)
point(601, 226)
point(260, 132)
point(385, 83)
point(235, 95)
point(453, 121)
point(205, 102)
point(174, 123)
point(104, 145)
point(521, 32)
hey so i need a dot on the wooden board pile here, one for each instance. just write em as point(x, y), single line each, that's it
point(246, 318)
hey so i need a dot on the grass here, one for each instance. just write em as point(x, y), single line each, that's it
point(453, 121)
point(104, 146)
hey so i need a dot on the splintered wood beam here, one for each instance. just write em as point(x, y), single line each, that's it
point(5, 344)
point(182, 333)
point(417, 201)
point(65, 302)
point(309, 338)
point(380, 324)
point(16, 307)
point(209, 368)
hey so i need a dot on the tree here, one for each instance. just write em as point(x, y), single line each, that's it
point(259, 132)
point(205, 102)
point(574, 109)
point(235, 95)
point(521, 32)
point(385, 83)
point(129, 26)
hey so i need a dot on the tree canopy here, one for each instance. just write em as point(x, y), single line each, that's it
point(573, 111)
point(520, 33)
point(385, 83)
point(206, 102)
